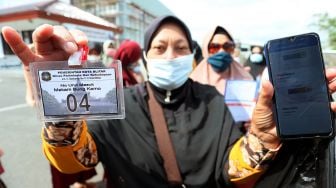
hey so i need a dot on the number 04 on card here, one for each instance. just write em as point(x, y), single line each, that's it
point(88, 92)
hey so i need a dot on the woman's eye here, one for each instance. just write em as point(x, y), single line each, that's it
point(182, 48)
point(158, 47)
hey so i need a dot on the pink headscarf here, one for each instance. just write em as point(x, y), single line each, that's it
point(204, 73)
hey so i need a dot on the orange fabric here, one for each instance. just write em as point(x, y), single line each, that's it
point(236, 159)
point(63, 158)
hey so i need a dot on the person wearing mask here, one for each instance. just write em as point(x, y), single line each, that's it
point(109, 50)
point(218, 64)
point(256, 62)
point(95, 53)
point(129, 53)
point(209, 149)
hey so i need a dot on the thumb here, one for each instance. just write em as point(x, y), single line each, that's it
point(262, 114)
point(266, 93)
point(263, 124)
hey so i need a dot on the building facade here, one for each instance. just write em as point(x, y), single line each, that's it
point(132, 16)
point(26, 18)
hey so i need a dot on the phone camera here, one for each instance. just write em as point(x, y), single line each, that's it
point(292, 39)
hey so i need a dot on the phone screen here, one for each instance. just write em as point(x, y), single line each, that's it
point(296, 69)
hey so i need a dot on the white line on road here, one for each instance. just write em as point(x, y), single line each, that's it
point(8, 108)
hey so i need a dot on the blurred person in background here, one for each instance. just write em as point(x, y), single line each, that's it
point(238, 56)
point(129, 53)
point(218, 64)
point(256, 62)
point(95, 53)
point(109, 51)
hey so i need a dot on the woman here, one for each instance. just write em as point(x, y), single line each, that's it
point(201, 128)
point(256, 62)
point(218, 64)
point(129, 54)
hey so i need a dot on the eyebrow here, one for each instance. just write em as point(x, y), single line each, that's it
point(177, 41)
point(181, 41)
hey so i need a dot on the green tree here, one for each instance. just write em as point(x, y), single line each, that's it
point(328, 24)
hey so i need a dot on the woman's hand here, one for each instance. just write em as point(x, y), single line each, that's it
point(331, 77)
point(262, 124)
point(51, 43)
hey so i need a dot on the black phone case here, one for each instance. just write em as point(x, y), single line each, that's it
point(275, 114)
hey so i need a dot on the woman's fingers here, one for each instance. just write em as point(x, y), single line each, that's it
point(56, 43)
point(50, 39)
point(262, 121)
point(17, 45)
point(42, 39)
point(79, 37)
point(51, 43)
point(62, 39)
point(331, 77)
point(333, 106)
point(262, 116)
point(266, 93)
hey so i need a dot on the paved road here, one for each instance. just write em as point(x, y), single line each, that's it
point(24, 163)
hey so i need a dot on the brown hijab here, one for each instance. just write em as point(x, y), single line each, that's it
point(204, 73)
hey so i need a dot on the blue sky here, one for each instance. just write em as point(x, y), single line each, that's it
point(251, 21)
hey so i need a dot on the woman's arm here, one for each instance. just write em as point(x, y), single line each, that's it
point(248, 160)
point(251, 155)
point(69, 147)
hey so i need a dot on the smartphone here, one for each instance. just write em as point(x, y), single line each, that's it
point(301, 98)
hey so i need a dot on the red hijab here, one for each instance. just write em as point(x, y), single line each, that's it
point(128, 52)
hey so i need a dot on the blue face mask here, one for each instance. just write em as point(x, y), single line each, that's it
point(256, 58)
point(137, 69)
point(169, 74)
point(220, 61)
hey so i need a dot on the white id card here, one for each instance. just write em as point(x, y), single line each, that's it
point(240, 97)
point(91, 91)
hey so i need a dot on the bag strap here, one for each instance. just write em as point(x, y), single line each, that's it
point(163, 139)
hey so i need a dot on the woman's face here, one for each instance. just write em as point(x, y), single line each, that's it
point(256, 50)
point(220, 42)
point(169, 42)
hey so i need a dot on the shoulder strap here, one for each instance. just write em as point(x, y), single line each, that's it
point(163, 139)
